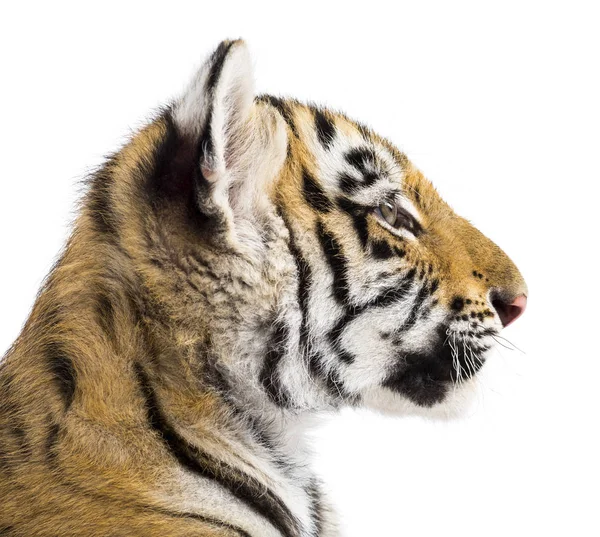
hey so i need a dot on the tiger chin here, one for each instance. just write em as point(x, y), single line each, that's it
point(242, 264)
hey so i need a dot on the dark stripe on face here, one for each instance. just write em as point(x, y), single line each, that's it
point(337, 262)
point(325, 129)
point(61, 367)
point(386, 298)
point(333, 383)
point(358, 213)
point(381, 250)
point(314, 360)
point(362, 158)
point(345, 356)
point(314, 194)
point(359, 221)
point(269, 375)
point(399, 252)
point(244, 487)
point(348, 183)
point(284, 109)
point(422, 294)
point(304, 280)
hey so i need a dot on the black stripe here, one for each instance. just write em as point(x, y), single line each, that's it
point(333, 383)
point(386, 298)
point(337, 262)
point(336, 386)
point(381, 250)
point(325, 129)
point(304, 277)
point(316, 507)
point(417, 196)
point(206, 146)
point(106, 313)
point(269, 375)
point(422, 294)
point(345, 356)
point(284, 109)
point(202, 518)
point(217, 59)
point(173, 162)
point(100, 498)
point(314, 359)
point(399, 252)
point(51, 443)
point(351, 207)
point(99, 201)
point(61, 367)
point(206, 142)
point(244, 487)
point(347, 182)
point(20, 435)
point(358, 213)
point(361, 158)
point(360, 224)
point(412, 316)
point(314, 194)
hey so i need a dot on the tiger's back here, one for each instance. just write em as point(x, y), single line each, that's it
point(240, 265)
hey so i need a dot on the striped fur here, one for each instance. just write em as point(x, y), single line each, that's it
point(229, 277)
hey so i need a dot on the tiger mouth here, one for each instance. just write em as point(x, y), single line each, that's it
point(426, 377)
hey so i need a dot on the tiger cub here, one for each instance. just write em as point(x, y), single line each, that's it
point(243, 263)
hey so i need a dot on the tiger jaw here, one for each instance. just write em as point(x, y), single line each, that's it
point(426, 377)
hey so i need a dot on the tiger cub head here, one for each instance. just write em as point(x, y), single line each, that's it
point(299, 257)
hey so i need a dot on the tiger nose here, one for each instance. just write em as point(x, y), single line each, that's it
point(509, 311)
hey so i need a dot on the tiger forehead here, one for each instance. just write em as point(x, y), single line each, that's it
point(326, 141)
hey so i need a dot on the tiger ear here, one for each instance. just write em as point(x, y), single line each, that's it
point(216, 105)
point(239, 144)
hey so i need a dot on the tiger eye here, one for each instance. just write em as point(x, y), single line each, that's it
point(389, 212)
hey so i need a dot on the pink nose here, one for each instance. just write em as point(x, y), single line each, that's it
point(510, 312)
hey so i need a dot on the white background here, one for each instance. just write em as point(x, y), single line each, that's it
point(497, 104)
